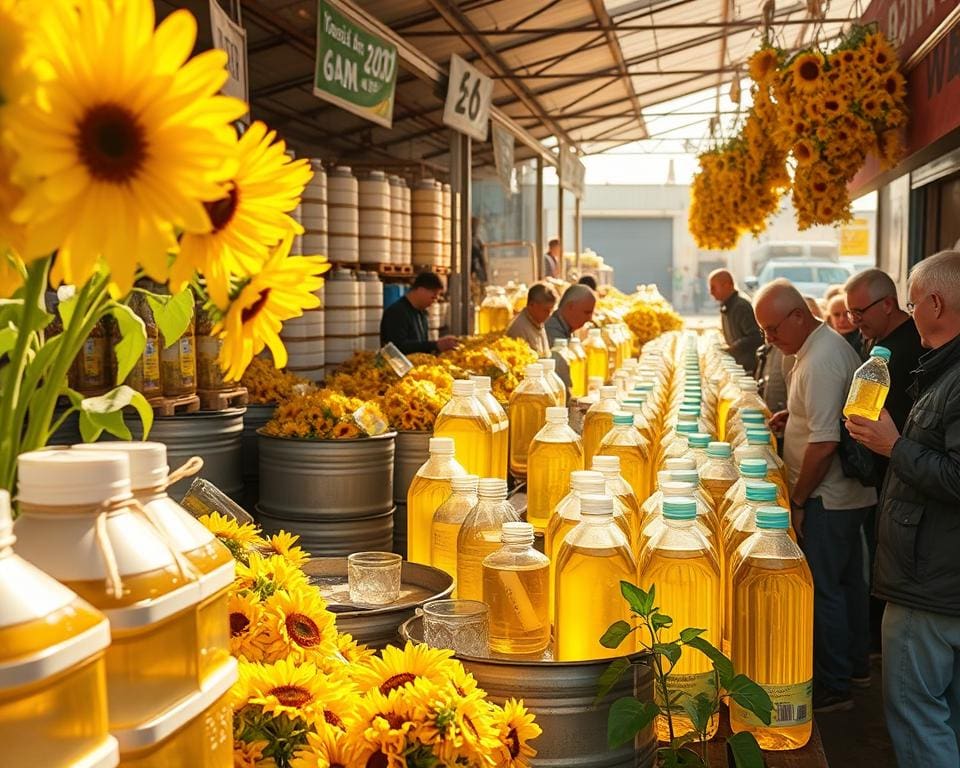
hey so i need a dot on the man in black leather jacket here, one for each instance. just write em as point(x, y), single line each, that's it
point(918, 556)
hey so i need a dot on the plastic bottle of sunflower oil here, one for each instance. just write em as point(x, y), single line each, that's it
point(676, 489)
point(773, 587)
point(480, 535)
point(697, 447)
point(718, 472)
point(465, 420)
point(679, 561)
point(528, 413)
point(149, 476)
point(758, 446)
point(593, 559)
point(556, 384)
point(429, 489)
point(561, 351)
point(726, 396)
point(748, 398)
point(677, 442)
point(447, 521)
point(598, 421)
point(503, 311)
point(618, 487)
point(870, 385)
point(750, 469)
point(501, 425)
point(598, 356)
point(749, 418)
point(516, 587)
point(53, 692)
point(578, 368)
point(633, 450)
point(555, 452)
point(488, 311)
point(685, 470)
point(636, 406)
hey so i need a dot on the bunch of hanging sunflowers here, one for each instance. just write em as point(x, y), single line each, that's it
point(310, 697)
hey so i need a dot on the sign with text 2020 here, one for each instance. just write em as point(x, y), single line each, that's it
point(356, 68)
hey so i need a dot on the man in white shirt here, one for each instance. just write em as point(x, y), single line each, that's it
point(828, 508)
point(529, 324)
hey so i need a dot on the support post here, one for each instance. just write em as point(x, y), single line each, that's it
point(458, 288)
point(541, 246)
point(561, 267)
point(577, 232)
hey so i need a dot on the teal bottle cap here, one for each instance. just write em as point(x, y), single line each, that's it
point(621, 418)
point(698, 440)
point(773, 518)
point(690, 410)
point(758, 435)
point(761, 491)
point(881, 352)
point(679, 508)
point(754, 468)
point(749, 411)
point(685, 476)
point(753, 418)
point(687, 428)
point(718, 450)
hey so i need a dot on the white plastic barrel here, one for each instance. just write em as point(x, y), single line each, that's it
point(313, 212)
point(342, 215)
point(374, 219)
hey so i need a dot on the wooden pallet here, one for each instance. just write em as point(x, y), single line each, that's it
point(395, 270)
point(174, 406)
point(435, 268)
point(222, 400)
point(352, 265)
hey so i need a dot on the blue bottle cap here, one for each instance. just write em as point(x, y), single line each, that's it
point(679, 508)
point(686, 428)
point(881, 352)
point(761, 491)
point(773, 518)
point(621, 418)
point(698, 440)
point(754, 468)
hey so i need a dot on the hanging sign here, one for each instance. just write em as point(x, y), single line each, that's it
point(579, 177)
point(231, 38)
point(469, 93)
point(855, 238)
point(567, 163)
point(503, 146)
point(356, 69)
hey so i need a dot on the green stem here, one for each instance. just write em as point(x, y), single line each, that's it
point(662, 679)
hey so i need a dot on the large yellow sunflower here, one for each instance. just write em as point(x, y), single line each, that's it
point(807, 69)
point(125, 140)
point(382, 728)
point(267, 575)
point(304, 622)
point(283, 544)
point(239, 539)
point(458, 728)
point(254, 635)
point(331, 749)
point(282, 289)
point(283, 688)
point(517, 729)
point(395, 668)
point(351, 652)
point(763, 64)
point(248, 219)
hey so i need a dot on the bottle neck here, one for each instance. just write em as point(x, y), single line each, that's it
point(492, 498)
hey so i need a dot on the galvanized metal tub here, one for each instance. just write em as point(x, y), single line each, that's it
point(257, 416)
point(413, 449)
point(333, 537)
point(326, 479)
point(561, 695)
point(377, 627)
point(400, 529)
point(217, 438)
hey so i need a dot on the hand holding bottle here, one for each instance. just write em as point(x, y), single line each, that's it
point(878, 436)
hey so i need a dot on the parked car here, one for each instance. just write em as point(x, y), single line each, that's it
point(812, 278)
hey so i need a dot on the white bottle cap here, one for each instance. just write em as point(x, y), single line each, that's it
point(515, 532)
point(680, 463)
point(594, 332)
point(481, 383)
point(548, 364)
point(148, 461)
point(596, 504)
point(587, 481)
point(677, 488)
point(464, 483)
point(66, 478)
point(442, 445)
point(492, 488)
point(533, 371)
point(557, 414)
point(606, 464)
point(463, 388)
point(608, 391)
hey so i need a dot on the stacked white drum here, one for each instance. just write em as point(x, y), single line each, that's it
point(342, 317)
point(374, 219)
point(371, 310)
point(304, 339)
point(428, 232)
point(446, 197)
point(313, 213)
point(342, 215)
point(398, 219)
point(406, 255)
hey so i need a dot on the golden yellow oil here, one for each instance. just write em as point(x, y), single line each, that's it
point(213, 621)
point(485, 319)
point(472, 550)
point(598, 362)
point(473, 441)
point(634, 467)
point(578, 376)
point(866, 399)
point(443, 550)
point(500, 318)
point(519, 613)
point(528, 414)
point(581, 619)
point(738, 494)
point(595, 427)
point(688, 581)
point(717, 488)
point(772, 643)
point(548, 478)
point(723, 408)
point(423, 497)
point(33, 636)
point(501, 448)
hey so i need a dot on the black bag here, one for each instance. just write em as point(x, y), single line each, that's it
point(857, 462)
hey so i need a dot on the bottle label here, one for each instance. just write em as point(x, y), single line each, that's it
point(682, 687)
point(151, 366)
point(188, 363)
point(792, 705)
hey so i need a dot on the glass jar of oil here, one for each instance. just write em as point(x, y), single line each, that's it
point(555, 452)
point(625, 442)
point(578, 369)
point(465, 420)
point(593, 559)
point(528, 413)
point(598, 421)
point(53, 693)
point(429, 488)
point(500, 423)
point(479, 535)
point(447, 521)
point(773, 587)
point(598, 356)
point(515, 587)
point(555, 383)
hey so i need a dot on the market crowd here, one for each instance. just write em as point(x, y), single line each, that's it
point(887, 490)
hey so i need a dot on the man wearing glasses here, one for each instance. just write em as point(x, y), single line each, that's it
point(918, 553)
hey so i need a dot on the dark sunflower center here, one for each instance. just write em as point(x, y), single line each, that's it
point(377, 760)
point(396, 681)
point(809, 70)
point(291, 695)
point(238, 624)
point(891, 85)
point(514, 741)
point(253, 310)
point(395, 721)
point(303, 630)
point(111, 143)
point(333, 719)
point(221, 211)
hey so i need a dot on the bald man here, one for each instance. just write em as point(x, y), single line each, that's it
point(828, 508)
point(740, 329)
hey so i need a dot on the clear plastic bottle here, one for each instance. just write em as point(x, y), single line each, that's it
point(618, 487)
point(501, 425)
point(465, 420)
point(516, 587)
point(578, 368)
point(561, 351)
point(598, 421)
point(488, 311)
point(679, 561)
point(654, 522)
point(614, 353)
point(718, 472)
point(633, 450)
point(748, 398)
point(447, 521)
point(528, 413)
point(598, 356)
point(594, 558)
point(756, 470)
point(772, 637)
point(480, 535)
point(870, 385)
point(697, 447)
point(556, 384)
point(428, 490)
point(502, 311)
point(636, 406)
point(555, 452)
point(678, 442)
point(758, 447)
point(53, 692)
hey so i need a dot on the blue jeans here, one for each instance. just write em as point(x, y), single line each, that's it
point(841, 608)
point(921, 686)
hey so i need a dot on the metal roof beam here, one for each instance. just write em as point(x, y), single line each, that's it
point(603, 18)
point(613, 27)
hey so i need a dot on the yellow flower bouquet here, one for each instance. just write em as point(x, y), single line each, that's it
point(267, 385)
point(325, 414)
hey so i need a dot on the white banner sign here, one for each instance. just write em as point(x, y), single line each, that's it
point(503, 146)
point(232, 38)
point(469, 94)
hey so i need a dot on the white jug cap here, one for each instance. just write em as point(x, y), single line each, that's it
point(463, 387)
point(148, 461)
point(533, 371)
point(442, 445)
point(548, 364)
point(67, 478)
point(482, 383)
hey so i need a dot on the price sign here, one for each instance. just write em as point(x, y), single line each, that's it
point(230, 37)
point(469, 93)
point(503, 146)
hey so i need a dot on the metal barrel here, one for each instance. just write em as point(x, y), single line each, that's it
point(332, 537)
point(214, 437)
point(257, 416)
point(413, 449)
point(318, 480)
point(561, 695)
